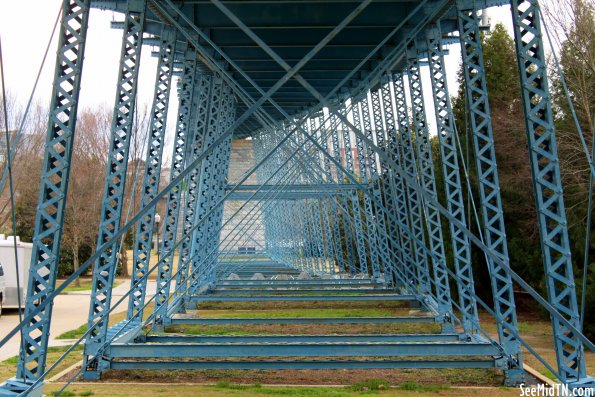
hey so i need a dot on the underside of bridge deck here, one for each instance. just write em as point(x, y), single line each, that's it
point(340, 204)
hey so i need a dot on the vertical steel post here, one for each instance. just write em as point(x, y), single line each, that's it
point(115, 181)
point(452, 181)
point(428, 183)
point(369, 174)
point(380, 190)
point(353, 199)
point(413, 200)
point(53, 188)
point(547, 185)
point(489, 186)
point(183, 139)
point(396, 197)
point(152, 175)
point(198, 121)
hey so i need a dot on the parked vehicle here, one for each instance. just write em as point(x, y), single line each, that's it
point(2, 287)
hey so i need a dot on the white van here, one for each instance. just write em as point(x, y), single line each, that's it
point(8, 286)
point(2, 287)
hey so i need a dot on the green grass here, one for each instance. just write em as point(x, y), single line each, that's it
point(85, 285)
point(74, 333)
point(258, 390)
point(66, 393)
point(8, 366)
point(414, 386)
point(371, 384)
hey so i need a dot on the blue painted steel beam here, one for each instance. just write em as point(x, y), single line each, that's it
point(304, 320)
point(182, 140)
point(489, 186)
point(115, 181)
point(53, 189)
point(291, 349)
point(427, 181)
point(547, 185)
point(452, 180)
point(326, 364)
point(308, 298)
point(152, 175)
point(298, 338)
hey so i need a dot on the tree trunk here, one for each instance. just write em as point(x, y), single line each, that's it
point(76, 264)
point(124, 258)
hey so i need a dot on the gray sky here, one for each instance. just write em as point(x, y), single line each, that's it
point(23, 46)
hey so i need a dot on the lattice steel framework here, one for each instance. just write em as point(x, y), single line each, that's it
point(547, 184)
point(346, 196)
point(53, 188)
point(116, 173)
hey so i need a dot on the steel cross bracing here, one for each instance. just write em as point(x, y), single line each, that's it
point(306, 132)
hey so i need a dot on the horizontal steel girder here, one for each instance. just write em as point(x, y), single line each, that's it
point(304, 320)
point(288, 365)
point(303, 349)
point(300, 338)
point(308, 298)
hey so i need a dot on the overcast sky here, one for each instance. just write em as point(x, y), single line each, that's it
point(24, 42)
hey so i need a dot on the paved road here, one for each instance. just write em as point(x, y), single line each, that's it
point(70, 312)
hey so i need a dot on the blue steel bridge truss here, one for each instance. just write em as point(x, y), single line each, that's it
point(340, 203)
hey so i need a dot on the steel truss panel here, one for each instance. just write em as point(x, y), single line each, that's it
point(489, 187)
point(452, 181)
point(407, 154)
point(183, 139)
point(428, 183)
point(152, 175)
point(53, 190)
point(547, 184)
point(115, 181)
point(396, 198)
point(198, 122)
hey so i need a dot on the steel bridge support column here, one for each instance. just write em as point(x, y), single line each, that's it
point(353, 198)
point(428, 183)
point(182, 140)
point(452, 182)
point(547, 184)
point(52, 196)
point(370, 174)
point(396, 196)
point(115, 184)
point(382, 192)
point(412, 196)
point(202, 269)
point(198, 122)
point(152, 176)
point(334, 202)
point(489, 188)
